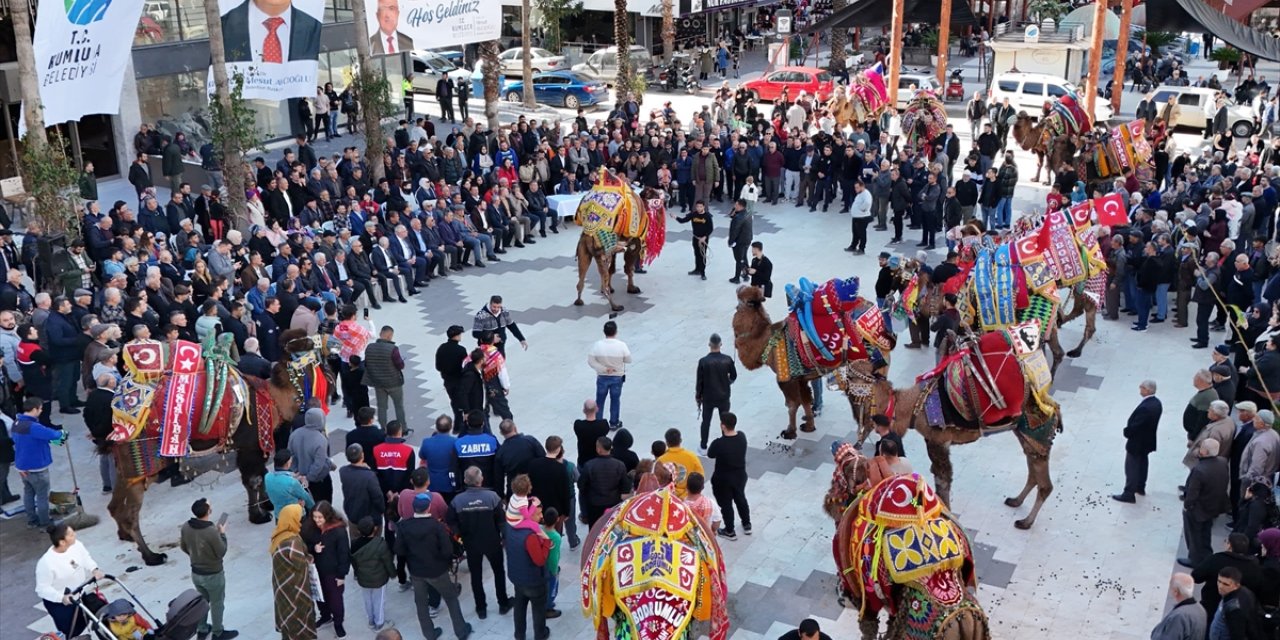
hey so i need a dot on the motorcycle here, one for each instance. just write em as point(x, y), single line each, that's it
point(689, 80)
point(955, 88)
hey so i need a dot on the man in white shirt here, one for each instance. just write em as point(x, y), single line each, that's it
point(609, 357)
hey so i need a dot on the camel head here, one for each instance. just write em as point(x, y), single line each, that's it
point(851, 477)
point(1025, 131)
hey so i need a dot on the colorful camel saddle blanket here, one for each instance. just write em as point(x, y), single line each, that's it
point(827, 326)
point(653, 569)
point(983, 382)
point(932, 603)
point(612, 210)
point(900, 534)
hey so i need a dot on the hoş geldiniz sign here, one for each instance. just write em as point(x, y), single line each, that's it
point(81, 49)
point(405, 25)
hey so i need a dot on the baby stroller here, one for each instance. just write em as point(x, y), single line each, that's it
point(180, 623)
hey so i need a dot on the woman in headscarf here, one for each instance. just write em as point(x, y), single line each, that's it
point(291, 579)
point(255, 209)
point(1257, 510)
point(1269, 595)
point(1078, 193)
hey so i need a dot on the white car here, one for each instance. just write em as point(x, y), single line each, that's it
point(603, 64)
point(1196, 108)
point(429, 67)
point(1030, 91)
point(911, 81)
point(541, 60)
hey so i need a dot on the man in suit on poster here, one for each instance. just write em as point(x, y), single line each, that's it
point(388, 40)
point(270, 31)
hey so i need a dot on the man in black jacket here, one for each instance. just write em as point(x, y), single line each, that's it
point(1235, 556)
point(476, 514)
point(716, 373)
point(550, 478)
point(602, 482)
point(702, 228)
point(1205, 499)
point(362, 495)
point(1140, 442)
point(428, 551)
point(1239, 610)
point(514, 455)
point(451, 357)
point(97, 418)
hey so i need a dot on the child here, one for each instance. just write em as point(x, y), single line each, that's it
point(549, 518)
point(123, 621)
point(519, 502)
point(751, 193)
point(371, 561)
point(357, 393)
point(699, 504)
point(658, 448)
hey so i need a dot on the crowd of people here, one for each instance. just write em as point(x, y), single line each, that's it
point(325, 237)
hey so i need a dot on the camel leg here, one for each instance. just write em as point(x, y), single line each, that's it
point(1038, 477)
point(128, 498)
point(792, 395)
point(967, 625)
point(1039, 165)
point(630, 262)
point(870, 627)
point(1090, 326)
point(584, 261)
point(806, 402)
point(119, 495)
point(1055, 348)
point(606, 283)
point(940, 466)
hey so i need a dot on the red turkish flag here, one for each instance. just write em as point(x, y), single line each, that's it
point(1110, 210)
point(186, 357)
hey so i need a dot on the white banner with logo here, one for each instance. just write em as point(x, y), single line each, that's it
point(82, 48)
point(273, 45)
point(405, 25)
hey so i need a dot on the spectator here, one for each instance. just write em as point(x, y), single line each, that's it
point(602, 483)
point(550, 517)
point(291, 577)
point(394, 460)
point(439, 454)
point(515, 454)
point(609, 358)
point(367, 433)
point(206, 544)
point(284, 487)
point(65, 566)
point(528, 547)
point(1186, 620)
point(362, 494)
point(715, 376)
point(1237, 618)
point(373, 566)
point(684, 460)
point(550, 479)
point(425, 544)
point(729, 480)
point(384, 371)
point(1205, 500)
point(310, 448)
point(32, 458)
point(809, 630)
point(1140, 442)
point(589, 429)
point(477, 515)
point(326, 537)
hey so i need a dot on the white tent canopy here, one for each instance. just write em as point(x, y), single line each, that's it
point(1084, 16)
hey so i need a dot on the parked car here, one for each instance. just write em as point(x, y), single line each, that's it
point(560, 88)
point(812, 80)
point(911, 81)
point(1030, 91)
point(428, 68)
point(158, 10)
point(454, 56)
point(1197, 108)
point(603, 64)
point(540, 59)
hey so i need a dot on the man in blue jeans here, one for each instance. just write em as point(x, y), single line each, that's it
point(1008, 178)
point(609, 357)
point(33, 457)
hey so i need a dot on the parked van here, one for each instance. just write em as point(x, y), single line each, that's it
point(1196, 109)
point(1029, 91)
point(603, 64)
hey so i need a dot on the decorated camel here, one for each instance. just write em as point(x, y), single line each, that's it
point(995, 382)
point(864, 99)
point(653, 569)
point(923, 120)
point(897, 549)
point(614, 219)
point(1055, 137)
point(186, 403)
point(827, 327)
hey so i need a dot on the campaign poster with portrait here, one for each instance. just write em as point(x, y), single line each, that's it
point(81, 49)
point(405, 25)
point(273, 44)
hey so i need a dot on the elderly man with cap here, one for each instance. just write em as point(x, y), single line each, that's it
point(425, 544)
point(1220, 428)
point(886, 284)
point(1260, 459)
point(102, 334)
point(1206, 498)
point(1140, 442)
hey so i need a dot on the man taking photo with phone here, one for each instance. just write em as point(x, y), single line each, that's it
point(206, 544)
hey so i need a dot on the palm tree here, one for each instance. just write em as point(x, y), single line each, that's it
point(525, 37)
point(492, 71)
point(839, 37)
point(232, 163)
point(622, 37)
point(668, 29)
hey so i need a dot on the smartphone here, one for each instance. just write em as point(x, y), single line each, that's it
point(222, 519)
point(366, 313)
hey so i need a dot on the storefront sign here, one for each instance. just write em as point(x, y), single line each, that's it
point(273, 45)
point(81, 49)
point(717, 5)
point(396, 25)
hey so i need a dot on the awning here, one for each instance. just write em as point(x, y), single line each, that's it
point(879, 13)
point(1197, 17)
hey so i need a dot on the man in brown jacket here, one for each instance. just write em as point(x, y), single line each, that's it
point(1221, 428)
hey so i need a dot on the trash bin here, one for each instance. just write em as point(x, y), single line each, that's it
point(1193, 48)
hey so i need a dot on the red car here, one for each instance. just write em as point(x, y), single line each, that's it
point(812, 80)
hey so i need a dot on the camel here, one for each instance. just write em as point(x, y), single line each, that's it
point(1082, 305)
point(1050, 151)
point(752, 334)
point(129, 491)
point(854, 478)
point(614, 219)
point(908, 407)
point(589, 250)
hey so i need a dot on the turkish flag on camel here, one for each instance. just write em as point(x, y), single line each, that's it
point(1110, 210)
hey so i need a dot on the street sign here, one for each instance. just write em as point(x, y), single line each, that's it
point(784, 23)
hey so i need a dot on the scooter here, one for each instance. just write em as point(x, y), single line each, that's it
point(689, 80)
point(955, 87)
